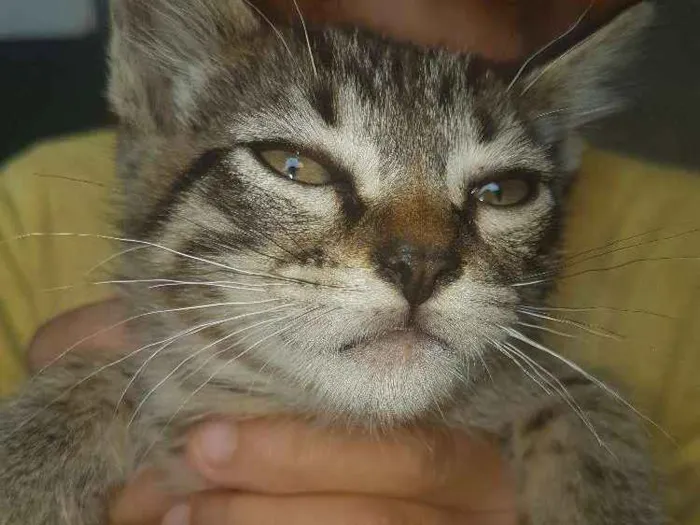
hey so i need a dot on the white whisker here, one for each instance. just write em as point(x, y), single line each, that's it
point(545, 329)
point(230, 285)
point(544, 48)
point(192, 357)
point(596, 308)
point(272, 26)
point(306, 35)
point(192, 331)
point(582, 326)
point(560, 389)
point(91, 375)
point(141, 316)
point(162, 283)
point(530, 283)
point(556, 61)
point(219, 370)
point(107, 260)
point(502, 349)
point(164, 248)
point(521, 337)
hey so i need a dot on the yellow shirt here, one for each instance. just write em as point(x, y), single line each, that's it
point(632, 224)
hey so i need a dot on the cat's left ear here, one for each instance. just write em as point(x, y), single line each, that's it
point(163, 52)
point(577, 86)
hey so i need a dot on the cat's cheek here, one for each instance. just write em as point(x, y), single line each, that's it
point(466, 313)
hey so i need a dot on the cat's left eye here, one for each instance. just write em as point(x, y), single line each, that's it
point(504, 192)
point(297, 167)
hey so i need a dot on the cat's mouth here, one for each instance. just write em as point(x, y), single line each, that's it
point(395, 346)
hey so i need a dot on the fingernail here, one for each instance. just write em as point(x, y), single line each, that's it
point(179, 515)
point(217, 442)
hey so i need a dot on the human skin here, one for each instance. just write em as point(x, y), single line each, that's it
point(269, 472)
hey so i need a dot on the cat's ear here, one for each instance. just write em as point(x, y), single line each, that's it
point(163, 51)
point(577, 86)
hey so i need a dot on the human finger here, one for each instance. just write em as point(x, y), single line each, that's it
point(291, 457)
point(97, 326)
point(254, 509)
point(142, 501)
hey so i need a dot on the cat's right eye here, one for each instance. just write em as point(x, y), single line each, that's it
point(505, 192)
point(296, 167)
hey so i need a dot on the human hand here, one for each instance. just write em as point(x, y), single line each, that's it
point(289, 472)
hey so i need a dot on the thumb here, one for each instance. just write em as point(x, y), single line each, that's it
point(96, 326)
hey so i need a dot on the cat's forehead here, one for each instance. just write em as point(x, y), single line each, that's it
point(386, 110)
point(396, 84)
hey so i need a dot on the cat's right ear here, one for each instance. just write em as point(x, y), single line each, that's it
point(578, 86)
point(163, 53)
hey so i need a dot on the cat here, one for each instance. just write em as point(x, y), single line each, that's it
point(333, 225)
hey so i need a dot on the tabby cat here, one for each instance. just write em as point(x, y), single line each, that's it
point(332, 225)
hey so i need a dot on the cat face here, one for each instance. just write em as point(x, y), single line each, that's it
point(362, 214)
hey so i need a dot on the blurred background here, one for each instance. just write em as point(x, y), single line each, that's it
point(52, 69)
point(52, 79)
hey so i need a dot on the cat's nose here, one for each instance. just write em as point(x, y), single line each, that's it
point(415, 269)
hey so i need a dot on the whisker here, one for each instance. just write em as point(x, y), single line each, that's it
point(551, 112)
point(167, 342)
point(545, 329)
point(486, 367)
point(530, 283)
point(164, 283)
point(544, 48)
point(552, 276)
point(604, 387)
point(219, 370)
point(191, 331)
point(192, 357)
point(546, 276)
point(561, 390)
point(306, 35)
point(90, 376)
point(503, 350)
point(134, 318)
point(598, 308)
point(615, 242)
point(219, 284)
point(554, 62)
point(169, 250)
point(545, 114)
point(625, 264)
point(109, 259)
point(269, 23)
point(71, 179)
point(577, 261)
point(599, 331)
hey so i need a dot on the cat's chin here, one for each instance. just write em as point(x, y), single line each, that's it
point(392, 377)
point(396, 348)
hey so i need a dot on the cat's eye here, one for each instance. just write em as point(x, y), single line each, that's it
point(504, 192)
point(295, 166)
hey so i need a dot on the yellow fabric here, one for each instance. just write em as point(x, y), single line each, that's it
point(61, 186)
point(657, 356)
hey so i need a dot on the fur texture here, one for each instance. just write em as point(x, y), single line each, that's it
point(256, 294)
